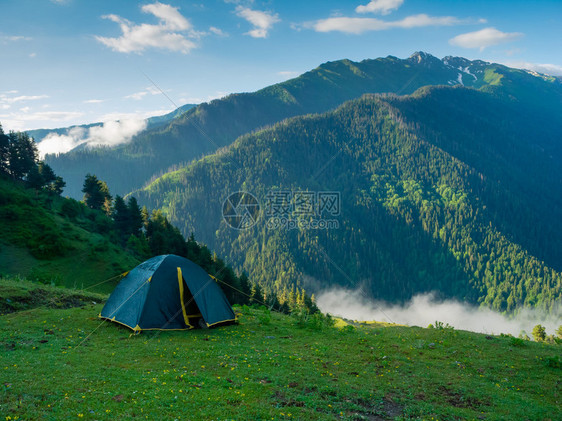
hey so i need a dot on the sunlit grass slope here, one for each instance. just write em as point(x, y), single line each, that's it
point(64, 363)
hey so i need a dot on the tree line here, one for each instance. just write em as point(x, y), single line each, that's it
point(19, 160)
point(465, 205)
point(148, 234)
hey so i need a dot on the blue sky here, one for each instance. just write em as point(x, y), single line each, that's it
point(79, 61)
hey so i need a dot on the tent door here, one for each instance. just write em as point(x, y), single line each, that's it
point(191, 313)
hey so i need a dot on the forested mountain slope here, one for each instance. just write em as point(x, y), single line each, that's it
point(450, 189)
point(210, 126)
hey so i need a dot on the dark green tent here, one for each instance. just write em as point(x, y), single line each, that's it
point(167, 293)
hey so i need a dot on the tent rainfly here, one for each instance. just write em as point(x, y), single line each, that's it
point(167, 292)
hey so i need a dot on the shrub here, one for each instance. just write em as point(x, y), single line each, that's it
point(440, 325)
point(539, 333)
point(265, 316)
point(517, 341)
point(71, 209)
point(347, 329)
point(553, 362)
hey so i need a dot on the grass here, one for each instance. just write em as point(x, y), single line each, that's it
point(44, 241)
point(64, 363)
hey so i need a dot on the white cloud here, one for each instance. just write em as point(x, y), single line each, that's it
point(424, 309)
point(22, 98)
point(174, 32)
point(93, 101)
point(360, 25)
point(140, 95)
point(7, 99)
point(24, 120)
point(262, 21)
point(137, 95)
point(217, 31)
point(13, 38)
point(484, 38)
point(288, 73)
point(384, 7)
point(548, 69)
point(186, 99)
point(111, 133)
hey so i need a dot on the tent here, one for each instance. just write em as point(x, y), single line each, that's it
point(167, 293)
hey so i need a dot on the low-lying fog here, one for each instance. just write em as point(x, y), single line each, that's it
point(424, 309)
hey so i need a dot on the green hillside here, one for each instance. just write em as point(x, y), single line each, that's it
point(450, 189)
point(210, 126)
point(55, 240)
point(64, 363)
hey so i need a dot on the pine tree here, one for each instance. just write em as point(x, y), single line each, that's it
point(57, 186)
point(96, 193)
point(47, 173)
point(121, 217)
point(22, 155)
point(539, 333)
point(245, 287)
point(136, 218)
point(4, 151)
point(35, 179)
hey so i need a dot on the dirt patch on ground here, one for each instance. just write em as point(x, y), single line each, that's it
point(383, 410)
point(460, 400)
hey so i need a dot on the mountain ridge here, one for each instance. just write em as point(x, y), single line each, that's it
point(420, 176)
point(210, 126)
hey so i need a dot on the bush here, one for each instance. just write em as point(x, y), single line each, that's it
point(553, 362)
point(517, 341)
point(71, 209)
point(265, 316)
point(439, 325)
point(539, 333)
point(347, 329)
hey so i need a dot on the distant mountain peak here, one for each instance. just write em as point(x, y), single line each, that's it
point(423, 58)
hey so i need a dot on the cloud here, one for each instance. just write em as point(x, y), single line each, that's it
point(23, 119)
point(424, 309)
point(548, 69)
point(7, 99)
point(137, 95)
point(22, 98)
point(262, 21)
point(93, 101)
point(14, 38)
point(484, 38)
point(140, 95)
point(288, 73)
point(111, 133)
point(217, 31)
point(384, 7)
point(174, 32)
point(360, 25)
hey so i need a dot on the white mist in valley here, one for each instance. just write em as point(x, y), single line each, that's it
point(424, 309)
point(110, 133)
